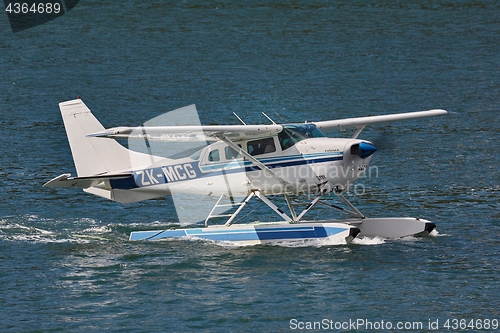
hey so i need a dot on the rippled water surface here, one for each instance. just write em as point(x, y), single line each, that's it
point(66, 264)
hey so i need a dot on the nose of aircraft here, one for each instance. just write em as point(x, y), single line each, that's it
point(363, 149)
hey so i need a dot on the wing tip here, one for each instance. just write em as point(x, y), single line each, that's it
point(439, 112)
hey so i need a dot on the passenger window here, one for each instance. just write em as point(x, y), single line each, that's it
point(214, 156)
point(231, 154)
point(262, 146)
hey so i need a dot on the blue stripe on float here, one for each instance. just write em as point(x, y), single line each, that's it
point(291, 233)
point(224, 235)
point(295, 233)
point(257, 233)
point(333, 231)
point(156, 234)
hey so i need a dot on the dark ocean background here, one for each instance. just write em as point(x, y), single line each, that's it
point(66, 264)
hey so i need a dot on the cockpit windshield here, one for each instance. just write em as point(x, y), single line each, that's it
point(291, 134)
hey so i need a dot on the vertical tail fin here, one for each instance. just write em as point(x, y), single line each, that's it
point(95, 156)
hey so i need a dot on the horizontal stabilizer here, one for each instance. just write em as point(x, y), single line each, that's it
point(66, 181)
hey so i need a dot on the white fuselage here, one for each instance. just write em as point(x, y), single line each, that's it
point(309, 165)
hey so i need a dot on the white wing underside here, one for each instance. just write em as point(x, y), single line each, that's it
point(361, 122)
point(246, 132)
point(190, 133)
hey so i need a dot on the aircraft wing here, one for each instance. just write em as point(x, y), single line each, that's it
point(190, 133)
point(66, 181)
point(361, 122)
point(245, 132)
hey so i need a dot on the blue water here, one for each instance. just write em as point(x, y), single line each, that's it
point(65, 262)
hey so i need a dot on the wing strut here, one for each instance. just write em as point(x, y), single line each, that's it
point(243, 204)
point(294, 219)
point(358, 131)
point(258, 164)
point(355, 211)
point(290, 206)
point(273, 206)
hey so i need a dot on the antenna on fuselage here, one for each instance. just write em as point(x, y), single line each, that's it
point(239, 118)
point(279, 116)
point(265, 115)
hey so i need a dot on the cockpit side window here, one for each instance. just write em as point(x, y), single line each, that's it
point(214, 156)
point(291, 134)
point(261, 146)
point(231, 154)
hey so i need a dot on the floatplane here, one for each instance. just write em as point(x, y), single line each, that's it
point(237, 161)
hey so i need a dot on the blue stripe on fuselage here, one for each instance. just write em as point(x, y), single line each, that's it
point(191, 170)
point(159, 175)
